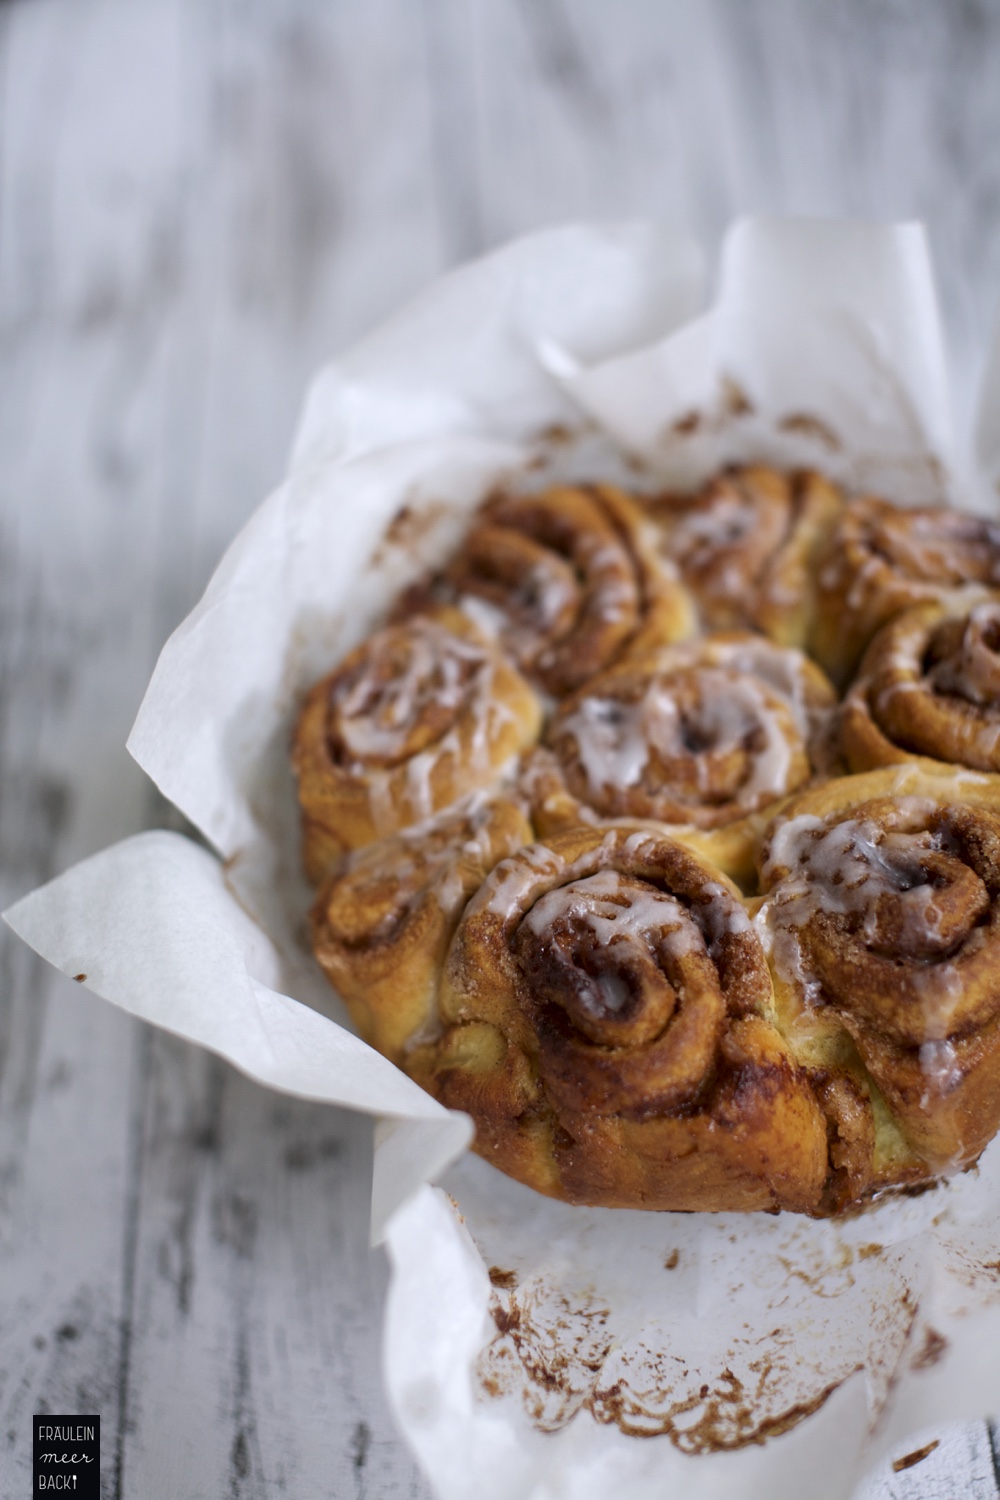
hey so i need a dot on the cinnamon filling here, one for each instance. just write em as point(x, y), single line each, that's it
point(401, 694)
point(628, 1001)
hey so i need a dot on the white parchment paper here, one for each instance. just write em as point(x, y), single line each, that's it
point(534, 1349)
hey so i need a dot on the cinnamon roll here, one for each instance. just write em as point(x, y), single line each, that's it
point(882, 918)
point(746, 544)
point(606, 1008)
point(622, 1026)
point(417, 717)
point(929, 685)
point(705, 736)
point(883, 560)
point(569, 579)
point(381, 925)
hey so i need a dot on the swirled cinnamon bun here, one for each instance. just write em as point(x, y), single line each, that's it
point(706, 736)
point(882, 916)
point(569, 579)
point(381, 925)
point(929, 685)
point(745, 546)
point(418, 716)
point(883, 560)
point(606, 1011)
point(602, 1003)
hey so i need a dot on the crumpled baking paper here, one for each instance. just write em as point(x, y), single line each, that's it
point(534, 1349)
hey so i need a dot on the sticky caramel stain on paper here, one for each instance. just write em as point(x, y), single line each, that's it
point(719, 1417)
point(407, 529)
point(806, 425)
point(505, 1279)
point(932, 1349)
point(687, 424)
point(557, 1352)
point(556, 1356)
point(548, 1350)
point(554, 440)
point(735, 401)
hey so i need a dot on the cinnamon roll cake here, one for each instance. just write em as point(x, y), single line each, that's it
point(595, 863)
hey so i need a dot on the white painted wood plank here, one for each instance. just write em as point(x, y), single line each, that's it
point(957, 1461)
point(256, 1297)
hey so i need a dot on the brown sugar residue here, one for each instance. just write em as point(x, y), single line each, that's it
point(558, 1358)
point(688, 423)
point(916, 1457)
point(735, 400)
point(819, 1282)
point(408, 528)
point(558, 435)
point(812, 427)
point(505, 1279)
point(720, 1416)
point(931, 1350)
point(548, 1351)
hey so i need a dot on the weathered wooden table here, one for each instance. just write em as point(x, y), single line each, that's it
point(200, 201)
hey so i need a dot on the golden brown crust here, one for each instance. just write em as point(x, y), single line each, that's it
point(882, 560)
point(746, 546)
point(572, 578)
point(619, 979)
point(882, 912)
point(381, 925)
point(929, 686)
point(417, 717)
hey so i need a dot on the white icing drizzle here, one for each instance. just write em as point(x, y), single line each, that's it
point(614, 584)
point(725, 914)
point(550, 595)
point(781, 667)
point(510, 885)
point(374, 718)
point(859, 584)
point(489, 619)
point(723, 523)
point(434, 856)
point(449, 889)
point(940, 1070)
point(418, 783)
point(616, 913)
point(924, 533)
point(380, 800)
point(615, 738)
point(844, 869)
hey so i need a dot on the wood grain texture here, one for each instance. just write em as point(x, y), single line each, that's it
point(200, 201)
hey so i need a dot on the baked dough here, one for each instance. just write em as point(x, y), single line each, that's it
point(610, 890)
